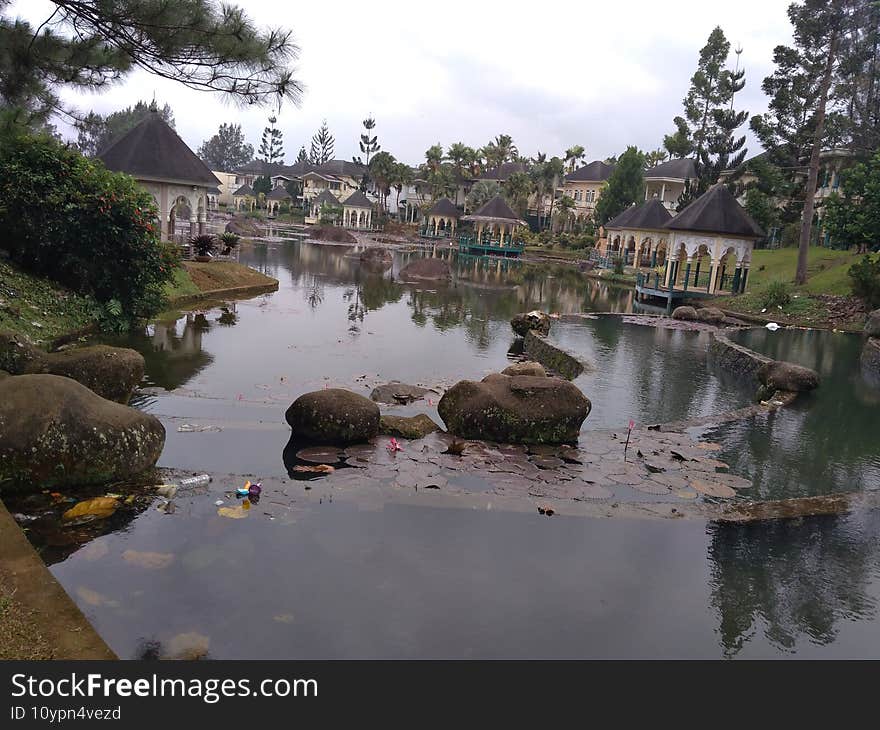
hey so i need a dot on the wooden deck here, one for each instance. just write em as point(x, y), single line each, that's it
point(469, 246)
point(650, 286)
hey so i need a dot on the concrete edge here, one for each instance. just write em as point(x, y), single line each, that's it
point(57, 617)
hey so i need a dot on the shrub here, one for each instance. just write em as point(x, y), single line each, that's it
point(777, 294)
point(865, 278)
point(229, 239)
point(618, 265)
point(68, 218)
point(204, 244)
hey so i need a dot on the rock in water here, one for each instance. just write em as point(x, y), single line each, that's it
point(426, 270)
point(376, 257)
point(333, 416)
point(780, 375)
point(407, 427)
point(526, 368)
point(111, 372)
point(872, 326)
point(870, 361)
point(515, 409)
point(685, 313)
point(396, 393)
point(710, 315)
point(534, 320)
point(55, 432)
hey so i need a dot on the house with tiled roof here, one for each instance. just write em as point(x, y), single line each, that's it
point(585, 185)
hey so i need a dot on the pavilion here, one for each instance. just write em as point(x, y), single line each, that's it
point(160, 161)
point(442, 218)
point(244, 198)
point(494, 225)
point(357, 211)
point(317, 203)
point(275, 198)
point(639, 231)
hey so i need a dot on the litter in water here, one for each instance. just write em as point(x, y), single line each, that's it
point(195, 428)
point(195, 481)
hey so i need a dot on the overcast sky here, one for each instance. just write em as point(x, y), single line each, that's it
point(600, 74)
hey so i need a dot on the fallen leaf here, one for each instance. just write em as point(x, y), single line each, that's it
point(98, 508)
point(317, 469)
point(233, 513)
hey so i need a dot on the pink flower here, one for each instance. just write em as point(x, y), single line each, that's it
point(394, 446)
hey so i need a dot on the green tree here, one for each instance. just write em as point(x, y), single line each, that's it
point(625, 186)
point(654, 158)
point(852, 215)
point(89, 44)
point(762, 208)
point(553, 171)
point(434, 156)
point(302, 156)
point(564, 207)
point(442, 182)
point(462, 158)
point(481, 193)
point(573, 155)
point(500, 150)
point(369, 144)
point(679, 144)
point(321, 150)
point(383, 168)
point(227, 149)
point(402, 176)
point(95, 133)
point(262, 185)
point(272, 145)
point(517, 190)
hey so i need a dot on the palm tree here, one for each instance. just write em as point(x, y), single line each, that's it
point(434, 156)
point(517, 190)
point(655, 158)
point(401, 176)
point(573, 155)
point(481, 193)
point(506, 147)
point(461, 156)
point(382, 170)
point(539, 183)
point(565, 206)
point(553, 172)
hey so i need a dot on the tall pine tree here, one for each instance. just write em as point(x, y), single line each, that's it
point(302, 156)
point(272, 145)
point(321, 150)
point(368, 144)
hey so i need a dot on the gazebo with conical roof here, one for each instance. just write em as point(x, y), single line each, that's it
point(244, 197)
point(717, 227)
point(160, 161)
point(442, 218)
point(495, 224)
point(639, 230)
point(276, 197)
point(318, 202)
point(357, 211)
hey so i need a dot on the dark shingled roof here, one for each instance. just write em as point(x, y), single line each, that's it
point(278, 194)
point(245, 190)
point(341, 167)
point(716, 211)
point(496, 208)
point(596, 171)
point(326, 197)
point(681, 169)
point(357, 200)
point(445, 207)
point(503, 171)
point(152, 149)
point(650, 215)
point(214, 191)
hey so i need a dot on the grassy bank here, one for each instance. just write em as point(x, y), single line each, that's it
point(194, 280)
point(39, 308)
point(824, 301)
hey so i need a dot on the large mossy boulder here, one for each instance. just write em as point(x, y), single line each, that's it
point(535, 320)
point(515, 409)
point(111, 372)
point(55, 432)
point(872, 326)
point(333, 416)
point(710, 315)
point(426, 269)
point(781, 375)
point(870, 361)
point(685, 313)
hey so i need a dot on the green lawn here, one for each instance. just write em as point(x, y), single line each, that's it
point(182, 286)
point(826, 269)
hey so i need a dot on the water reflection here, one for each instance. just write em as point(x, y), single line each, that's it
point(792, 580)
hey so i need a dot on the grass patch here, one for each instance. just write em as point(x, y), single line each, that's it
point(181, 286)
point(826, 269)
point(39, 308)
point(224, 275)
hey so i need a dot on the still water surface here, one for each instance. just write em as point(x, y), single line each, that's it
point(349, 578)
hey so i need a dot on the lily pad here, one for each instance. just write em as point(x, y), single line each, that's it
point(319, 455)
point(713, 489)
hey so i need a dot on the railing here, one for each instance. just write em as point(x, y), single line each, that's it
point(469, 244)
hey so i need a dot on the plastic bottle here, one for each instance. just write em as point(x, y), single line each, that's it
point(196, 481)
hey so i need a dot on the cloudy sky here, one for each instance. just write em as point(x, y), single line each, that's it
point(601, 74)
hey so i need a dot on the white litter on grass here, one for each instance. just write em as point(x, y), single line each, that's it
point(218, 502)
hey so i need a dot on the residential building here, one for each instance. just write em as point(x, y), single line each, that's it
point(667, 181)
point(585, 185)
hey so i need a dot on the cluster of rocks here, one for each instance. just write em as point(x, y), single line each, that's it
point(526, 322)
point(63, 418)
point(870, 359)
point(426, 269)
point(521, 405)
point(707, 315)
